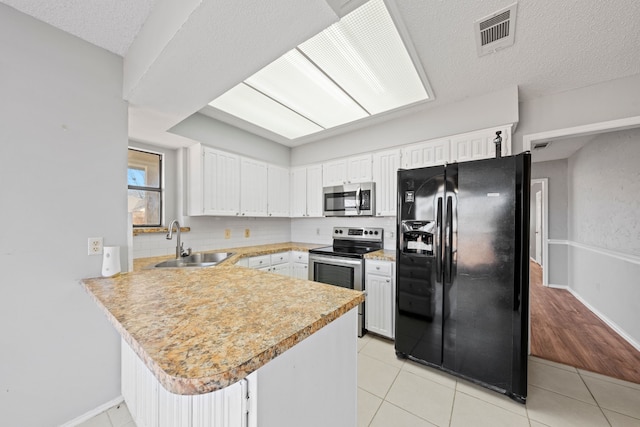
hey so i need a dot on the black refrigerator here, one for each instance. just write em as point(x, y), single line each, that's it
point(462, 296)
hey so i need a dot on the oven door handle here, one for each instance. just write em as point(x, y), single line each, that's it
point(334, 260)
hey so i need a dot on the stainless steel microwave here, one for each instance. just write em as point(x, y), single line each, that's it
point(349, 200)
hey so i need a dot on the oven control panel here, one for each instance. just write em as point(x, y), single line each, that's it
point(354, 233)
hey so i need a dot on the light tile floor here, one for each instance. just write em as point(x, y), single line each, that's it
point(398, 393)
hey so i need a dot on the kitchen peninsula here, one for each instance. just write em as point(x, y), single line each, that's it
point(197, 341)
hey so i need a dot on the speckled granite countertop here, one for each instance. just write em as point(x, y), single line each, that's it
point(383, 255)
point(200, 330)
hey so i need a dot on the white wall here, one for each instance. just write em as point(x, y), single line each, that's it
point(604, 228)
point(207, 233)
point(214, 133)
point(615, 99)
point(320, 230)
point(493, 109)
point(63, 174)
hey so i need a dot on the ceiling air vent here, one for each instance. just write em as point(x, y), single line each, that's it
point(540, 145)
point(496, 31)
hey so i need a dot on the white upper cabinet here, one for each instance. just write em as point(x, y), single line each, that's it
point(214, 182)
point(479, 145)
point(306, 191)
point(314, 191)
point(253, 188)
point(428, 153)
point(385, 175)
point(348, 170)
point(278, 193)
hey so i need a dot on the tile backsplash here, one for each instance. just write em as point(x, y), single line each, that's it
point(208, 233)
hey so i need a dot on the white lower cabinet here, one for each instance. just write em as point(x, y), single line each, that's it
point(300, 265)
point(380, 302)
point(288, 391)
point(291, 263)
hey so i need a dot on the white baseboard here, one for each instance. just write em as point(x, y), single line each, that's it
point(601, 316)
point(92, 413)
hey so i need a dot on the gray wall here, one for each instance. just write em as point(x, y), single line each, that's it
point(604, 193)
point(604, 227)
point(63, 173)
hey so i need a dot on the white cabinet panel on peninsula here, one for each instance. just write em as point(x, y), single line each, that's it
point(306, 191)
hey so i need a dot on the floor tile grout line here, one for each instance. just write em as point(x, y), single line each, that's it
point(491, 403)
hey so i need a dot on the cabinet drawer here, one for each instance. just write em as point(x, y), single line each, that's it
point(384, 268)
point(299, 256)
point(259, 261)
point(279, 258)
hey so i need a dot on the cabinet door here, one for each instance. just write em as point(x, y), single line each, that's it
point(278, 194)
point(379, 305)
point(334, 173)
point(424, 154)
point(221, 176)
point(479, 145)
point(253, 191)
point(282, 269)
point(359, 169)
point(298, 193)
point(300, 270)
point(314, 191)
point(385, 175)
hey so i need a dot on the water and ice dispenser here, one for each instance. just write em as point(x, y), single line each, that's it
point(417, 237)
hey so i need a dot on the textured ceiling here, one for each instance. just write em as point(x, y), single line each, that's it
point(559, 46)
point(111, 24)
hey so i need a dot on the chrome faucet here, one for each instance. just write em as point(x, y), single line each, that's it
point(180, 252)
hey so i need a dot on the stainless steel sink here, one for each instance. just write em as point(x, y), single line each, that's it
point(199, 259)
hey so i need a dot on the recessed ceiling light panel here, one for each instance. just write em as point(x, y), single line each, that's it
point(356, 68)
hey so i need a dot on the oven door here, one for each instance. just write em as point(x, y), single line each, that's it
point(339, 271)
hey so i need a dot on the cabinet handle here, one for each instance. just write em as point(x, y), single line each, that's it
point(242, 213)
point(388, 280)
point(378, 268)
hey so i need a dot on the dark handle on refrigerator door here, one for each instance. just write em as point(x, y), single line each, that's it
point(449, 243)
point(439, 240)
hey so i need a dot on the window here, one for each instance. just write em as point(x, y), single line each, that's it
point(144, 180)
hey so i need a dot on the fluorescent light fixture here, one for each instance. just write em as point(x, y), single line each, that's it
point(356, 68)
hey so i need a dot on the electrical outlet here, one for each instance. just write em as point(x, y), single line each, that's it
point(247, 233)
point(227, 233)
point(95, 245)
point(317, 231)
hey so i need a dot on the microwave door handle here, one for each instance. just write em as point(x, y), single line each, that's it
point(358, 200)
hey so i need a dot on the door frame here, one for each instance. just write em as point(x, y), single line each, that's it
point(545, 233)
point(570, 132)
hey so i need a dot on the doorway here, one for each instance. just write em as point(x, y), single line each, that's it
point(538, 235)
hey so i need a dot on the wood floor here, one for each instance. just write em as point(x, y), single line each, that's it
point(563, 330)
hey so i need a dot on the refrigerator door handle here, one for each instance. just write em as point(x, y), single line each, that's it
point(449, 242)
point(439, 240)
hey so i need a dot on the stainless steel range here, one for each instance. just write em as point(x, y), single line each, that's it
point(342, 264)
